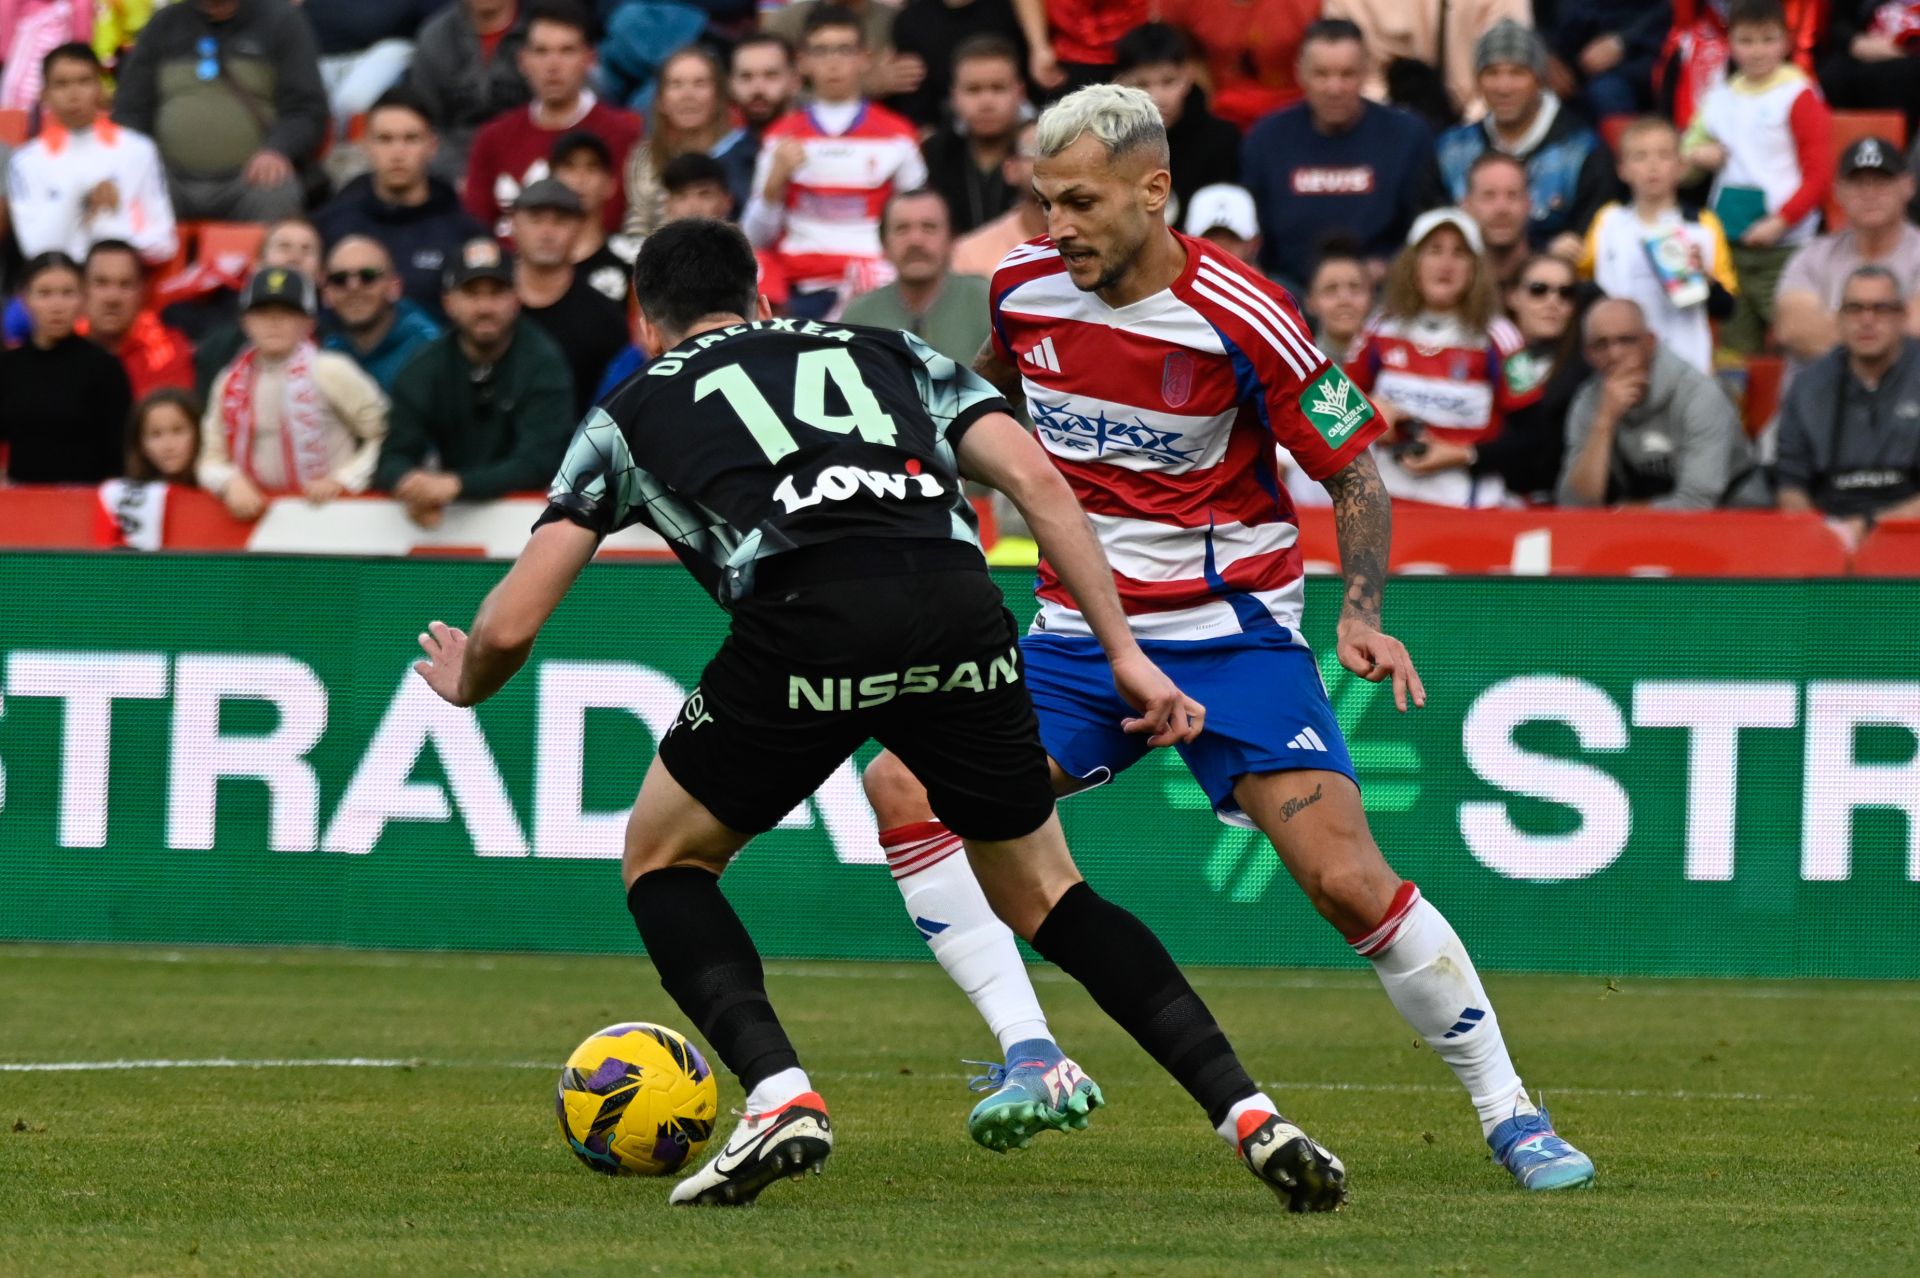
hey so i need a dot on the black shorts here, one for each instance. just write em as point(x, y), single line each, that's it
point(925, 662)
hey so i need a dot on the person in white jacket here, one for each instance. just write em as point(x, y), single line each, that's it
point(85, 178)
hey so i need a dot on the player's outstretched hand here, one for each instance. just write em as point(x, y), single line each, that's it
point(1167, 713)
point(446, 649)
point(1375, 655)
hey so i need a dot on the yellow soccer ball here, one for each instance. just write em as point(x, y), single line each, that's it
point(636, 1099)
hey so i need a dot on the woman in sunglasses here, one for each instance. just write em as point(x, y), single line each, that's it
point(1438, 361)
point(1545, 302)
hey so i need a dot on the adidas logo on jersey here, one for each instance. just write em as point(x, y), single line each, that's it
point(1042, 356)
point(1307, 739)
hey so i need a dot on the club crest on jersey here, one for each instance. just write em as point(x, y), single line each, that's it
point(1176, 379)
point(1335, 406)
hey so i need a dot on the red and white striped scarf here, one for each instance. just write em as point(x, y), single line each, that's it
point(303, 434)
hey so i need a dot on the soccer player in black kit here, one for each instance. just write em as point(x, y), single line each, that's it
point(810, 476)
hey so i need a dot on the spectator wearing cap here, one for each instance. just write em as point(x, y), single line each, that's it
point(213, 321)
point(690, 113)
point(84, 178)
point(1647, 428)
point(400, 203)
point(466, 71)
point(979, 252)
point(1604, 50)
point(1437, 359)
point(587, 322)
point(1204, 148)
point(1223, 214)
point(1336, 163)
point(1873, 188)
point(1569, 173)
point(1250, 49)
point(63, 400)
point(946, 311)
point(966, 159)
point(117, 320)
point(1437, 35)
point(373, 322)
point(511, 151)
point(1849, 442)
point(761, 83)
point(484, 409)
point(230, 90)
point(583, 162)
point(285, 416)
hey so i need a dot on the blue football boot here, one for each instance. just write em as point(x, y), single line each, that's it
point(1038, 1089)
point(1539, 1159)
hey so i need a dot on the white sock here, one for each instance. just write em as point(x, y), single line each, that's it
point(1432, 982)
point(977, 950)
point(776, 1090)
point(1258, 1103)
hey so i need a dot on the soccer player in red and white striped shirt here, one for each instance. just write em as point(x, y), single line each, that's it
point(1159, 373)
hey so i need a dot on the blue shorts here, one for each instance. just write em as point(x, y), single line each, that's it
point(1267, 710)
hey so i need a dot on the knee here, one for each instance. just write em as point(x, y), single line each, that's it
point(896, 795)
point(1352, 892)
point(648, 850)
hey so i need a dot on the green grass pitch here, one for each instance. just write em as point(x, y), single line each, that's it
point(1738, 1128)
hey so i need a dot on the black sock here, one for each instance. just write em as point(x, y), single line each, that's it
point(1133, 979)
point(708, 963)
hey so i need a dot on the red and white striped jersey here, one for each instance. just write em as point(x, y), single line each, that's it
point(832, 209)
point(1162, 415)
point(1436, 368)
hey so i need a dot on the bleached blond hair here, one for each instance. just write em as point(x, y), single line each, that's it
point(1124, 120)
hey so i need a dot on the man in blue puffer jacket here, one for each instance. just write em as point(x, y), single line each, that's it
point(1570, 172)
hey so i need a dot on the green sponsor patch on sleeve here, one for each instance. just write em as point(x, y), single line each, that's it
point(1335, 406)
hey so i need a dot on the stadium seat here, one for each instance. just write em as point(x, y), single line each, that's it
point(16, 126)
point(1849, 127)
point(357, 127)
point(1611, 129)
point(215, 239)
point(1763, 393)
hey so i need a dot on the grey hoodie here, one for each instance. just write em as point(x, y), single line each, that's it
point(1678, 449)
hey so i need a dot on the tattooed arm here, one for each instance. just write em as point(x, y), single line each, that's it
point(1001, 375)
point(1363, 521)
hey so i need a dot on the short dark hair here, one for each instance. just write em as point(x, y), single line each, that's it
point(1756, 13)
point(832, 15)
point(1337, 246)
point(73, 51)
point(1331, 31)
point(561, 13)
point(985, 46)
point(1151, 44)
point(693, 268)
point(917, 193)
point(695, 168)
point(100, 248)
point(401, 98)
point(773, 38)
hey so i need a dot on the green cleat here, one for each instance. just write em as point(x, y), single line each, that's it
point(1037, 1090)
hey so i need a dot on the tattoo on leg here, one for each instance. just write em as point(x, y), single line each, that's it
point(1293, 807)
point(1363, 522)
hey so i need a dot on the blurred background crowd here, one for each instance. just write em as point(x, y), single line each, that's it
point(1593, 254)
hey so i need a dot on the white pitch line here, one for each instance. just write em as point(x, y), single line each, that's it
point(378, 1062)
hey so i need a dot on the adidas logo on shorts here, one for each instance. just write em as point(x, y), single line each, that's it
point(1307, 739)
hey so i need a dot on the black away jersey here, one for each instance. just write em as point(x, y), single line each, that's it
point(765, 437)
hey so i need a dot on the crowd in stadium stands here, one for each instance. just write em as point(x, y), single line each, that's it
point(1577, 252)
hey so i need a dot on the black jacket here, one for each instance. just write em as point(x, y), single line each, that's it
point(420, 238)
point(972, 197)
point(1206, 149)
